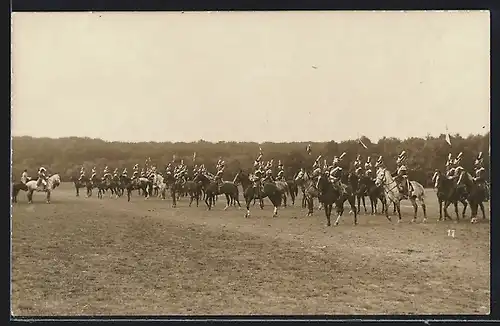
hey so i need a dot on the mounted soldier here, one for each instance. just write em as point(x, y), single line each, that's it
point(357, 163)
point(125, 173)
point(24, 177)
point(42, 178)
point(281, 171)
point(136, 169)
point(335, 178)
point(369, 168)
point(449, 168)
point(82, 174)
point(316, 168)
point(94, 174)
point(480, 174)
point(220, 173)
point(269, 176)
point(379, 164)
point(115, 173)
point(105, 173)
point(402, 175)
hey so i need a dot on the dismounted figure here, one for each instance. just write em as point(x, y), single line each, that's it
point(24, 177)
point(42, 178)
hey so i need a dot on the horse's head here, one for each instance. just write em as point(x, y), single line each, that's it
point(437, 178)
point(54, 180)
point(464, 178)
point(323, 181)
point(381, 177)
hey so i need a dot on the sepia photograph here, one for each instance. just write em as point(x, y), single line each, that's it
point(311, 163)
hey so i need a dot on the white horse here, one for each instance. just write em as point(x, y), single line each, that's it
point(159, 183)
point(392, 193)
point(52, 182)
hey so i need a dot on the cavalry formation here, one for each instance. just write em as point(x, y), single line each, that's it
point(331, 183)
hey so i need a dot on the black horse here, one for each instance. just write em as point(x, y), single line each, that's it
point(476, 194)
point(143, 184)
point(367, 187)
point(448, 192)
point(251, 191)
point(212, 189)
point(16, 188)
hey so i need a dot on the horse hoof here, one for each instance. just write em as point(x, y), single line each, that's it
point(424, 220)
point(336, 223)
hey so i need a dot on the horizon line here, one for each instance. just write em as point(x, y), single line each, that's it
point(255, 142)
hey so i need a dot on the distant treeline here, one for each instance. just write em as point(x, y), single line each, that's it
point(67, 155)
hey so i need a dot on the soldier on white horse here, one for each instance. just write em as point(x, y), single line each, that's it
point(24, 177)
point(281, 172)
point(42, 178)
point(404, 184)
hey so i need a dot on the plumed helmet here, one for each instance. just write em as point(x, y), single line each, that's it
point(342, 155)
point(480, 155)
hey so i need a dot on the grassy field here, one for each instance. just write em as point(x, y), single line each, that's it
point(86, 256)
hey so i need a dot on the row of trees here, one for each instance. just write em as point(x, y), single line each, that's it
point(67, 155)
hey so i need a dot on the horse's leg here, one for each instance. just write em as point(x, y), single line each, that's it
point(328, 213)
point(398, 209)
point(358, 196)
point(191, 197)
point(352, 202)
point(424, 207)
point(447, 203)
point(248, 200)
point(77, 190)
point(464, 203)
point(386, 209)
point(481, 205)
point(129, 191)
point(228, 200)
point(310, 205)
point(455, 205)
point(48, 197)
point(284, 199)
point(415, 208)
point(440, 205)
point(340, 210)
point(208, 200)
point(364, 203)
point(275, 200)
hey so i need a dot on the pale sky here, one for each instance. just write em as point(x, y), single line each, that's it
point(250, 76)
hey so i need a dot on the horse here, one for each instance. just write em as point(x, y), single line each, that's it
point(448, 193)
point(283, 187)
point(309, 191)
point(135, 184)
point(52, 183)
point(174, 184)
point(348, 184)
point(268, 189)
point(105, 184)
point(193, 188)
point(328, 194)
point(476, 194)
point(212, 189)
point(368, 188)
point(392, 194)
point(293, 190)
point(16, 187)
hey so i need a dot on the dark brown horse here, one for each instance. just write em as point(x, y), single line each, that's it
point(212, 189)
point(448, 192)
point(251, 191)
point(332, 194)
point(16, 188)
point(475, 194)
point(368, 188)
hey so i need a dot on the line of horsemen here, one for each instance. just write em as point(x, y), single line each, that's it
point(263, 171)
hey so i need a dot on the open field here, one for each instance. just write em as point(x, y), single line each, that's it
point(99, 257)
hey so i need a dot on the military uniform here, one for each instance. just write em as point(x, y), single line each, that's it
point(42, 178)
point(369, 168)
point(124, 173)
point(480, 173)
point(82, 174)
point(93, 173)
point(24, 177)
point(357, 163)
point(402, 174)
